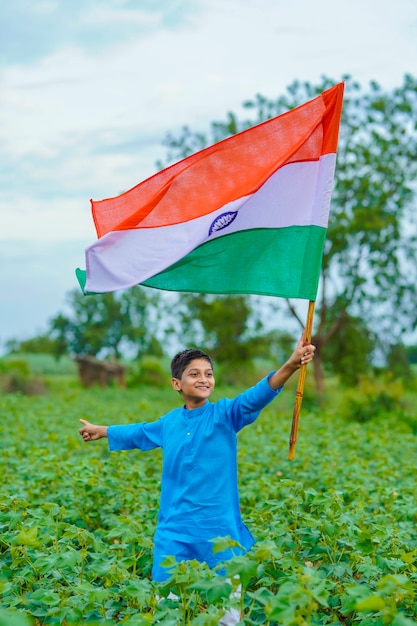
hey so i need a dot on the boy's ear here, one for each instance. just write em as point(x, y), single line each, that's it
point(176, 384)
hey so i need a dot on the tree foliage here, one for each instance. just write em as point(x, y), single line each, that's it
point(411, 352)
point(41, 344)
point(370, 258)
point(347, 353)
point(399, 364)
point(223, 325)
point(108, 323)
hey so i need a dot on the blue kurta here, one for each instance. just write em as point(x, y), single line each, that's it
point(199, 495)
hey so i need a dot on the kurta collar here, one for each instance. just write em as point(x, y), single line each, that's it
point(194, 412)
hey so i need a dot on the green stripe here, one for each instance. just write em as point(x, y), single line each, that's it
point(282, 262)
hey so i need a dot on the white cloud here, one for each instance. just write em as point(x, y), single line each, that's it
point(99, 15)
point(32, 220)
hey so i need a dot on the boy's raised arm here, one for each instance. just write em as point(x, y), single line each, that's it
point(302, 355)
point(92, 432)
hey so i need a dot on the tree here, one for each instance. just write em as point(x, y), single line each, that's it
point(107, 323)
point(411, 352)
point(228, 327)
point(349, 363)
point(370, 258)
point(399, 365)
point(41, 344)
point(222, 326)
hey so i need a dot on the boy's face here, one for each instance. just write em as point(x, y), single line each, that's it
point(196, 383)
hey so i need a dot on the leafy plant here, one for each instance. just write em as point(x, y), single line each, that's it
point(373, 398)
point(149, 370)
point(335, 528)
point(15, 376)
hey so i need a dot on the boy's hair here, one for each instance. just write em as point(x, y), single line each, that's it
point(182, 359)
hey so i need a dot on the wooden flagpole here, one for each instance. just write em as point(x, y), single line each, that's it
point(301, 381)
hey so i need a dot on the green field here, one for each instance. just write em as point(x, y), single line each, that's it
point(336, 527)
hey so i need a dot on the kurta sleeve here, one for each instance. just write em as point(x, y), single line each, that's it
point(145, 436)
point(245, 408)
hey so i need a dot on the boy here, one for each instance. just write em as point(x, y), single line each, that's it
point(199, 497)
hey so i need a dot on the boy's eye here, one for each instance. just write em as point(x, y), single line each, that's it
point(208, 374)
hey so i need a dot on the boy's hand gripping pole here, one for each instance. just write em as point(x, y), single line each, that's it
point(300, 386)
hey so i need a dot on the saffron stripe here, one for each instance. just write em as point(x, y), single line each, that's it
point(226, 171)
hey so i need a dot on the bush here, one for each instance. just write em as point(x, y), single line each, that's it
point(19, 366)
point(149, 371)
point(373, 398)
point(44, 364)
point(15, 376)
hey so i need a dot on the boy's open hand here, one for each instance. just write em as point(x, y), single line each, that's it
point(91, 432)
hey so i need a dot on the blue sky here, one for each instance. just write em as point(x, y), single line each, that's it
point(89, 89)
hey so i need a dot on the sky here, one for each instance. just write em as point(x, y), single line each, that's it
point(89, 89)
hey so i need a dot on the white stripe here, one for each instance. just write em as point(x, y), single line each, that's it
point(296, 195)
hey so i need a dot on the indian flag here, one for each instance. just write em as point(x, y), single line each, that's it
point(246, 215)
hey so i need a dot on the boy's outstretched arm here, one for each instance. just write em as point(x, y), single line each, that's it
point(302, 355)
point(92, 432)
